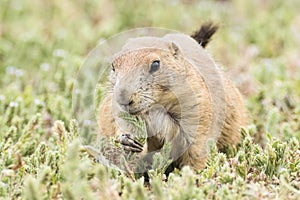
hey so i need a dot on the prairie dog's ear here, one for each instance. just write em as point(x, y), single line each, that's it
point(174, 49)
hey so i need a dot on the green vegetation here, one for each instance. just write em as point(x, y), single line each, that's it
point(43, 44)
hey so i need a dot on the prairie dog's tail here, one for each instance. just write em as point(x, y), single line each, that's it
point(203, 35)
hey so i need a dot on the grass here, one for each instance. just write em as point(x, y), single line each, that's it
point(43, 44)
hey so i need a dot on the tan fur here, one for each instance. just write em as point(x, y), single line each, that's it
point(198, 102)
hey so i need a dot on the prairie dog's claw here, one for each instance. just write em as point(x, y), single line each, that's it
point(129, 143)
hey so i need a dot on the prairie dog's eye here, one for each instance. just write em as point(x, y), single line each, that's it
point(113, 67)
point(154, 66)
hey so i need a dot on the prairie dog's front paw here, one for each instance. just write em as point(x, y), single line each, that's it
point(130, 143)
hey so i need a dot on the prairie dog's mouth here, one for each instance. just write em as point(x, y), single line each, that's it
point(136, 111)
point(136, 106)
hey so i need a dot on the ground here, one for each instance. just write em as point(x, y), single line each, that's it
point(44, 43)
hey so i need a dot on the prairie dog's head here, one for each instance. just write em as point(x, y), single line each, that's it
point(144, 77)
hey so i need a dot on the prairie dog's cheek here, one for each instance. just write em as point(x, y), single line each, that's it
point(117, 82)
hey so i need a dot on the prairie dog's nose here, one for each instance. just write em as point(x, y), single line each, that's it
point(124, 98)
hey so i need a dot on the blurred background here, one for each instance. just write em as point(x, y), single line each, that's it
point(43, 44)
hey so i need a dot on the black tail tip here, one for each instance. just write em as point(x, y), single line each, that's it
point(204, 34)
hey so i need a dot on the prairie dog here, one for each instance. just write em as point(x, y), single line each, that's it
point(173, 84)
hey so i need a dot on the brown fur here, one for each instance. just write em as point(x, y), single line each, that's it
point(187, 102)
